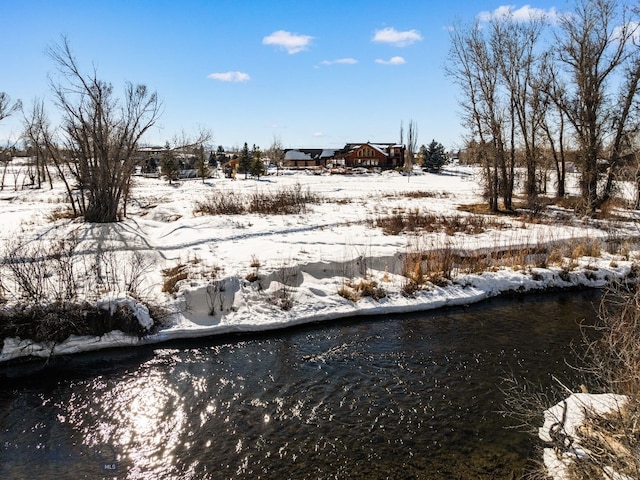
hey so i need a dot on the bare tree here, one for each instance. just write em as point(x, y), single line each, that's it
point(625, 125)
point(514, 43)
point(7, 107)
point(474, 67)
point(276, 153)
point(35, 124)
point(412, 142)
point(554, 122)
point(95, 148)
point(594, 45)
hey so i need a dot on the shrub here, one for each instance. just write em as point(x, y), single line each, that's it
point(62, 213)
point(215, 296)
point(412, 220)
point(255, 264)
point(287, 277)
point(611, 362)
point(412, 267)
point(220, 203)
point(409, 287)
point(49, 282)
point(287, 200)
point(57, 321)
point(41, 272)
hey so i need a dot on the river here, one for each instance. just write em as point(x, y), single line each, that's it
point(402, 396)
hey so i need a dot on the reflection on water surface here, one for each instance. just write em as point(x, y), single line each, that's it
point(412, 396)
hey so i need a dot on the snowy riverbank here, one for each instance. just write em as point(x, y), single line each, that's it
point(217, 274)
point(239, 271)
point(316, 300)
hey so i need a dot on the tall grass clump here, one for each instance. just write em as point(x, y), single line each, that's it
point(220, 203)
point(285, 201)
point(354, 290)
point(415, 220)
point(174, 275)
point(422, 267)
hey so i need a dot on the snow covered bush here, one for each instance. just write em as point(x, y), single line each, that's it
point(51, 290)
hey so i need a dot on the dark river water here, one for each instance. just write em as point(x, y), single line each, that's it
point(399, 397)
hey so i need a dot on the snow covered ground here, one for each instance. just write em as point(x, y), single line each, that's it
point(562, 424)
point(306, 258)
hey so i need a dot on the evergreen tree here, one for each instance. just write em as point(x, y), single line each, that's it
point(422, 155)
point(244, 164)
point(213, 161)
point(220, 155)
point(435, 157)
point(203, 170)
point(257, 166)
point(169, 166)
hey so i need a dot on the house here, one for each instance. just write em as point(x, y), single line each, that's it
point(149, 160)
point(381, 155)
point(302, 158)
point(352, 155)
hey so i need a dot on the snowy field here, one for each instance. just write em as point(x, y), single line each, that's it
point(254, 272)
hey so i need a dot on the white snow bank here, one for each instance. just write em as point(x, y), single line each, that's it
point(233, 304)
point(561, 424)
point(112, 303)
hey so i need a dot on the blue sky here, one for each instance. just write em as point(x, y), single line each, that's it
point(309, 72)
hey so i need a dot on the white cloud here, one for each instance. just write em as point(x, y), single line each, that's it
point(340, 61)
point(630, 31)
point(318, 134)
point(291, 42)
point(237, 77)
point(394, 37)
point(523, 14)
point(391, 61)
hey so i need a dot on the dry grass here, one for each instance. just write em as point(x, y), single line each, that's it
point(287, 277)
point(286, 201)
point(173, 275)
point(613, 359)
point(587, 248)
point(365, 287)
point(252, 277)
point(418, 194)
point(46, 286)
point(61, 213)
point(607, 209)
point(255, 262)
point(611, 362)
point(556, 257)
point(483, 209)
point(220, 203)
point(414, 220)
point(422, 267)
point(57, 321)
point(613, 440)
